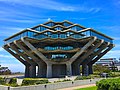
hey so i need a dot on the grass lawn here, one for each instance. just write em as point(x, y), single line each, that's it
point(88, 88)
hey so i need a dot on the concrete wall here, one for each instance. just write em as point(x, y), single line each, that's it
point(4, 87)
point(52, 86)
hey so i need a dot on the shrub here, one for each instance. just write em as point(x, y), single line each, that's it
point(82, 77)
point(66, 80)
point(109, 84)
point(2, 81)
point(34, 81)
point(13, 81)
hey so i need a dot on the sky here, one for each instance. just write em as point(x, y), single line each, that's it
point(16, 15)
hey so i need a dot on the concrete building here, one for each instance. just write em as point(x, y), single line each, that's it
point(107, 61)
point(58, 49)
point(110, 62)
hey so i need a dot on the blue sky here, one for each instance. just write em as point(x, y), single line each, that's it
point(16, 15)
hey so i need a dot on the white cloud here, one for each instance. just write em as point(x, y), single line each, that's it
point(111, 28)
point(53, 5)
point(46, 4)
point(116, 38)
point(6, 56)
point(19, 67)
point(113, 54)
point(7, 31)
point(1, 49)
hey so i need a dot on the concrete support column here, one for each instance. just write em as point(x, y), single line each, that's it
point(41, 70)
point(90, 69)
point(49, 70)
point(69, 69)
point(85, 70)
point(75, 69)
point(78, 69)
point(32, 71)
point(27, 71)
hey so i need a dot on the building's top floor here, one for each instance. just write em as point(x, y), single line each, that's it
point(63, 29)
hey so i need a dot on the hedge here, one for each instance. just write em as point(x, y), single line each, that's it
point(34, 81)
point(82, 77)
point(2, 81)
point(109, 84)
point(13, 81)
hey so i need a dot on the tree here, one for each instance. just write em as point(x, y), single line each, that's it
point(4, 70)
point(101, 69)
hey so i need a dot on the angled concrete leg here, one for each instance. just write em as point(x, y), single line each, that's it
point(27, 71)
point(32, 71)
point(69, 69)
point(90, 69)
point(85, 70)
point(49, 70)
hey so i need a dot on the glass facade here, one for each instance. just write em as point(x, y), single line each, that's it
point(73, 31)
point(58, 47)
point(66, 24)
point(49, 34)
point(76, 28)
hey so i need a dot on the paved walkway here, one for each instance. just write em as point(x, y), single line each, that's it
point(77, 87)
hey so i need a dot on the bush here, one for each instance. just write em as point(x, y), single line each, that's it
point(34, 81)
point(66, 80)
point(13, 81)
point(2, 81)
point(109, 84)
point(82, 77)
point(114, 74)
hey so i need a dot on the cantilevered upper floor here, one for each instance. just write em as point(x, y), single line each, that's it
point(61, 30)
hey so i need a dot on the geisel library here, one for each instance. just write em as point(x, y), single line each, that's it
point(58, 49)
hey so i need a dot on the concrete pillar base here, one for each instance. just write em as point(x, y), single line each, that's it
point(49, 70)
point(90, 69)
point(84, 70)
point(27, 71)
point(41, 70)
point(69, 69)
point(32, 71)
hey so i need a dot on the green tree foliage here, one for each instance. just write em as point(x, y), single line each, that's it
point(101, 69)
point(4, 70)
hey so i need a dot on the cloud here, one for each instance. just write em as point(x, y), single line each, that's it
point(113, 54)
point(53, 5)
point(112, 28)
point(18, 67)
point(1, 49)
point(6, 56)
point(24, 20)
point(116, 38)
point(45, 4)
point(7, 31)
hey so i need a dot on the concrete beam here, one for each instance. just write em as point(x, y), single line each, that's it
point(38, 53)
point(73, 58)
point(102, 54)
point(12, 46)
point(82, 58)
point(35, 59)
point(16, 56)
point(102, 47)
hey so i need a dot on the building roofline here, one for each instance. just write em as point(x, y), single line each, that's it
point(96, 32)
point(27, 29)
